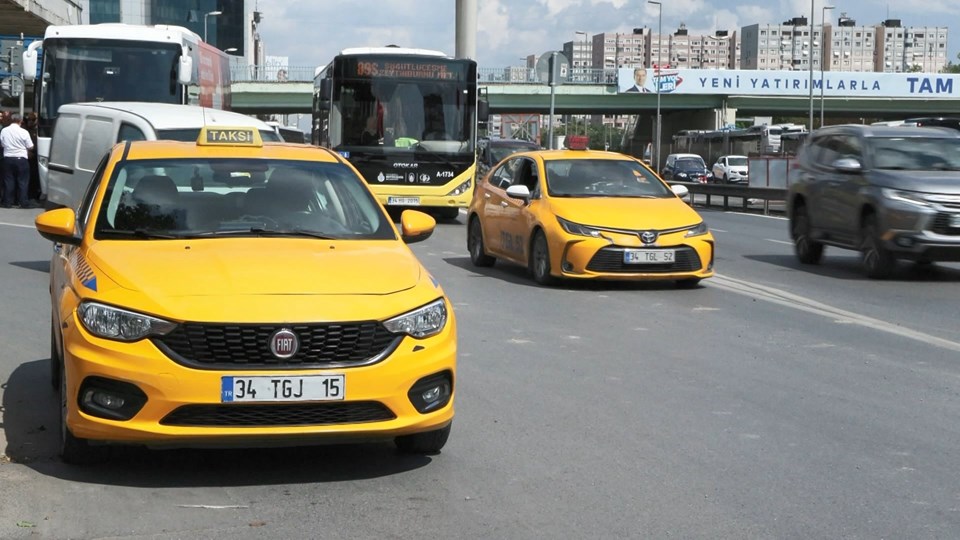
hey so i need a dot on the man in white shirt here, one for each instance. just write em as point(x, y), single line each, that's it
point(16, 144)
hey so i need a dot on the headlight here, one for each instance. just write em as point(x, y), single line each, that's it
point(905, 196)
point(462, 188)
point(120, 324)
point(576, 228)
point(698, 230)
point(682, 174)
point(421, 322)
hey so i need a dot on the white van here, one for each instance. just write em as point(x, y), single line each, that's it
point(86, 131)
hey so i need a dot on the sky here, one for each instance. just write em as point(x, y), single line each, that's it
point(311, 32)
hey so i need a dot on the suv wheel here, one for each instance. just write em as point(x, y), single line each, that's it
point(808, 250)
point(878, 261)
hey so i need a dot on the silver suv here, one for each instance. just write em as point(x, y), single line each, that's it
point(889, 192)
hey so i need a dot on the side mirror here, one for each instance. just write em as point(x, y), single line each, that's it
point(847, 165)
point(681, 191)
point(58, 226)
point(415, 226)
point(30, 63)
point(185, 69)
point(323, 98)
point(519, 192)
point(483, 110)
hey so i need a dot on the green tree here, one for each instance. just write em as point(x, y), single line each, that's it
point(951, 67)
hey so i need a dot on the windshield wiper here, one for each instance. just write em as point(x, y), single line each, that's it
point(261, 231)
point(146, 234)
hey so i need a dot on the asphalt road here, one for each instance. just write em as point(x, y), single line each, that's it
point(775, 401)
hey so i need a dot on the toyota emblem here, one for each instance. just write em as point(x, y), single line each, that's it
point(648, 237)
point(284, 343)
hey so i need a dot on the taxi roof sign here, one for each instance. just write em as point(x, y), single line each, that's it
point(229, 136)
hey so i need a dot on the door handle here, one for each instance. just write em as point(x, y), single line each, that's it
point(504, 204)
point(486, 195)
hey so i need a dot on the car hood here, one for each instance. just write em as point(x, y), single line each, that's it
point(254, 266)
point(626, 213)
point(922, 181)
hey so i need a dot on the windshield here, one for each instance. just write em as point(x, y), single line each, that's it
point(402, 116)
point(690, 164)
point(602, 178)
point(916, 153)
point(188, 198)
point(500, 151)
point(78, 70)
point(737, 161)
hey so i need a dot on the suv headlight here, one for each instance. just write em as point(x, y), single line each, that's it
point(421, 322)
point(576, 228)
point(699, 229)
point(462, 188)
point(119, 324)
point(905, 196)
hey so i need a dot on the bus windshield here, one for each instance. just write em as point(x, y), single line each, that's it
point(78, 70)
point(431, 110)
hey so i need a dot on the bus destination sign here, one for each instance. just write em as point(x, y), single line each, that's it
point(406, 69)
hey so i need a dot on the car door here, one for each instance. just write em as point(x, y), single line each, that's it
point(517, 218)
point(819, 176)
point(493, 204)
point(844, 191)
point(719, 168)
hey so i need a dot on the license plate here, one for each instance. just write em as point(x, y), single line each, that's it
point(648, 256)
point(955, 221)
point(403, 201)
point(266, 388)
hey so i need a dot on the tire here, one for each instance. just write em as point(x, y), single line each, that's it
point(74, 450)
point(428, 442)
point(540, 260)
point(55, 359)
point(808, 250)
point(878, 261)
point(692, 283)
point(726, 179)
point(478, 255)
point(448, 214)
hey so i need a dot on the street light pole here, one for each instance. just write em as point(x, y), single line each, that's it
point(656, 73)
point(810, 61)
point(823, 47)
point(205, 15)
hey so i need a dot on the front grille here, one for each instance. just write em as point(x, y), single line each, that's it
point(941, 224)
point(610, 259)
point(218, 346)
point(263, 415)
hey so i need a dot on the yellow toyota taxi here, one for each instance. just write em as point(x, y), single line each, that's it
point(231, 292)
point(585, 214)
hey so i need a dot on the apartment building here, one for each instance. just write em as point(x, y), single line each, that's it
point(613, 50)
point(916, 48)
point(694, 51)
point(791, 45)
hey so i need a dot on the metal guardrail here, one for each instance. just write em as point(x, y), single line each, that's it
point(271, 73)
point(504, 75)
point(745, 193)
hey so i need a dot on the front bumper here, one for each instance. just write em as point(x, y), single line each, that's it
point(169, 386)
point(922, 233)
point(581, 257)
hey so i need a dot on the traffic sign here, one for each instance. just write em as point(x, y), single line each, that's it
point(553, 67)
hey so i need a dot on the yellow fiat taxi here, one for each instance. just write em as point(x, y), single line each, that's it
point(583, 214)
point(231, 292)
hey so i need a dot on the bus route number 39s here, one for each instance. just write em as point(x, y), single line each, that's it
point(273, 388)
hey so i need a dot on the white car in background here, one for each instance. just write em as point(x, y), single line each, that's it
point(731, 170)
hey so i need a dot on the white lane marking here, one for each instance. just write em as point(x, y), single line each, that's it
point(717, 230)
point(779, 241)
point(17, 225)
point(783, 298)
point(781, 218)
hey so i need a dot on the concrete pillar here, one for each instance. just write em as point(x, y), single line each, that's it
point(467, 29)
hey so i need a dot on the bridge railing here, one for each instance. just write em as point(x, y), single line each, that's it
point(524, 75)
point(271, 73)
point(501, 75)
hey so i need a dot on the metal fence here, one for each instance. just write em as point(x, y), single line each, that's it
point(272, 73)
point(524, 75)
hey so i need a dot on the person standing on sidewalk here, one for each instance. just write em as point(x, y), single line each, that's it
point(4, 122)
point(17, 144)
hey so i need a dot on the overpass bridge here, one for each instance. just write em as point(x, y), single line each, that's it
point(31, 17)
point(517, 90)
